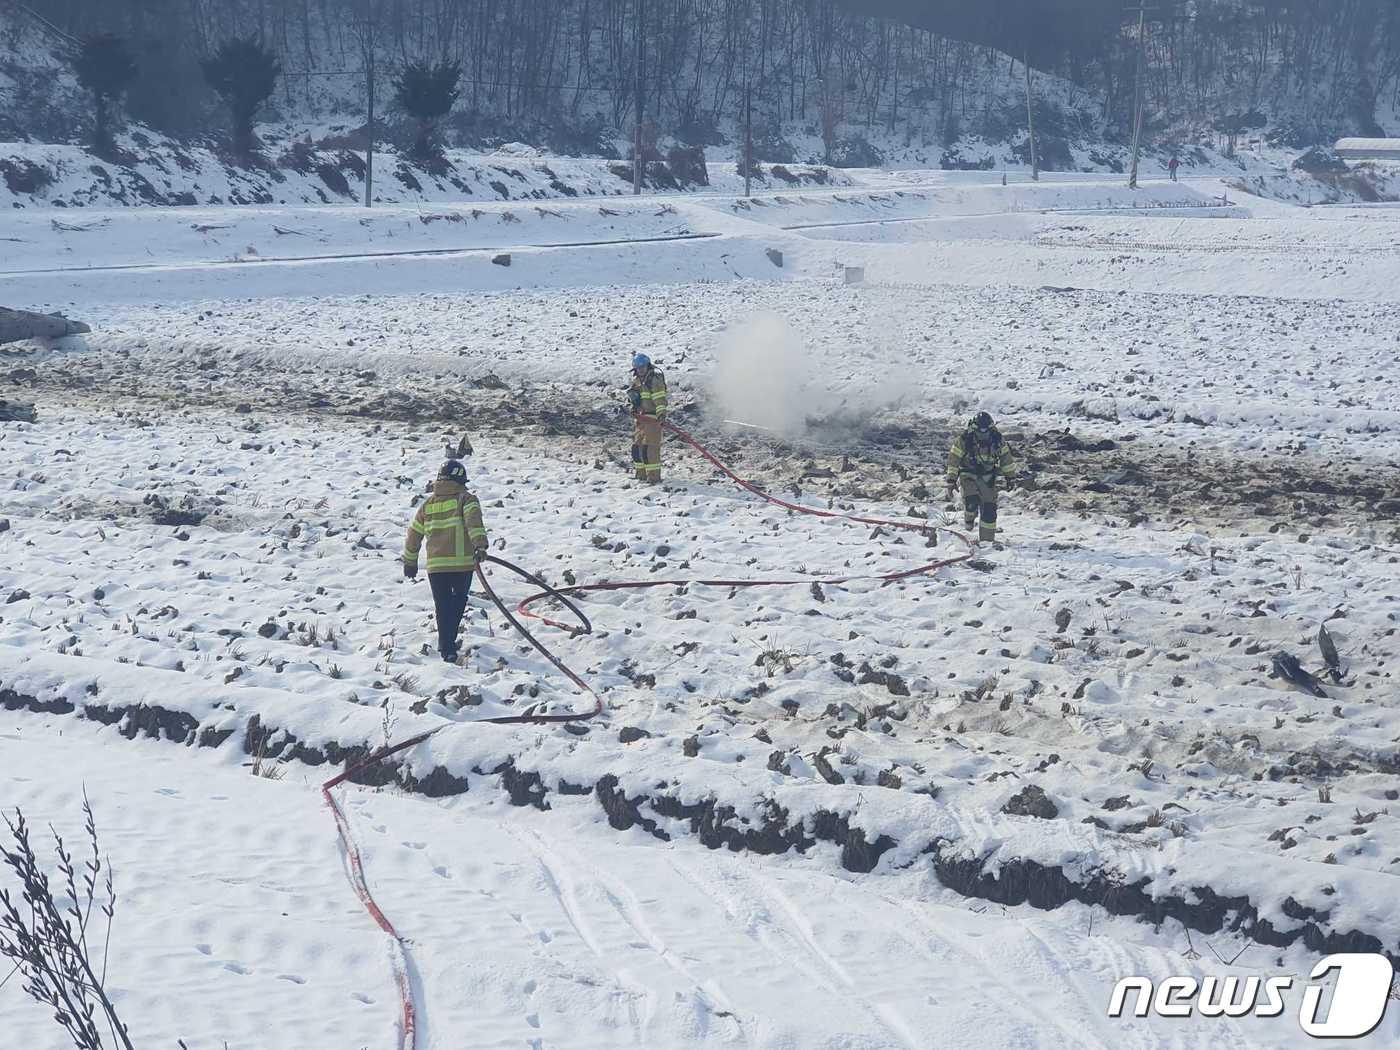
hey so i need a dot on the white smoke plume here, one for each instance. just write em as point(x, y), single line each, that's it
point(766, 377)
point(761, 376)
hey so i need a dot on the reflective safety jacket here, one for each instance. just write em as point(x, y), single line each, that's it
point(649, 393)
point(450, 521)
point(987, 455)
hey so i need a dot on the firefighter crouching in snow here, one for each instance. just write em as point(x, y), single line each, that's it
point(980, 459)
point(647, 396)
point(450, 521)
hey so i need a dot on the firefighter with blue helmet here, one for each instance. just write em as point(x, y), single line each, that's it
point(647, 400)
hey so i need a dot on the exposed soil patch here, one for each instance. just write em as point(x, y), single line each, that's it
point(1140, 481)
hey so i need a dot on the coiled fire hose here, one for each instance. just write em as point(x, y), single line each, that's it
point(398, 955)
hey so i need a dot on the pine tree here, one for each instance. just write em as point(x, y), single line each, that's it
point(104, 67)
point(243, 74)
point(427, 92)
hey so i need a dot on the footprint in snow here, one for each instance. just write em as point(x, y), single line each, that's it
point(204, 949)
point(291, 977)
point(416, 845)
point(441, 870)
point(533, 1020)
point(170, 792)
point(361, 997)
point(237, 968)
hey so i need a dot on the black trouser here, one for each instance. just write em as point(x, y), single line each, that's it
point(450, 593)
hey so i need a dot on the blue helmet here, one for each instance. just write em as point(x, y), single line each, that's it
point(641, 361)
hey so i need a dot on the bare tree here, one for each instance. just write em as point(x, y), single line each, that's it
point(105, 67)
point(1324, 65)
point(243, 73)
point(44, 932)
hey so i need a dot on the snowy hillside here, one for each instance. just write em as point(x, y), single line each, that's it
point(966, 111)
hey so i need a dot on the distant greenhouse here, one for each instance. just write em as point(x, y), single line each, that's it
point(1369, 149)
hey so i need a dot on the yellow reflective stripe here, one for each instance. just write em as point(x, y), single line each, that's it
point(450, 563)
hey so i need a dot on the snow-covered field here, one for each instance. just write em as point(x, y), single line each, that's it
point(203, 526)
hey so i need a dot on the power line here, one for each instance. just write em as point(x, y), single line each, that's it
point(61, 34)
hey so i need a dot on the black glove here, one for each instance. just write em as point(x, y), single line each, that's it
point(410, 570)
point(635, 400)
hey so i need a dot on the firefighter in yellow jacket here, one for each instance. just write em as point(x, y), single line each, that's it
point(979, 462)
point(450, 522)
point(647, 397)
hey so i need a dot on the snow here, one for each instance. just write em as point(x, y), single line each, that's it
point(155, 171)
point(238, 444)
point(529, 929)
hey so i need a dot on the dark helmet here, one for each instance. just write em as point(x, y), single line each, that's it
point(982, 421)
point(453, 470)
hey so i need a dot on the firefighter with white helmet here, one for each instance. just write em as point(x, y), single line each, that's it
point(449, 524)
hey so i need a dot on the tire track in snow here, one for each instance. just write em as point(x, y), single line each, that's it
point(1096, 956)
point(888, 1015)
point(801, 950)
point(562, 888)
point(629, 909)
point(1008, 992)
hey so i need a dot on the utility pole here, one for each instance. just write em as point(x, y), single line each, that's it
point(369, 105)
point(1137, 98)
point(748, 139)
point(1030, 121)
point(1165, 13)
point(748, 111)
point(638, 163)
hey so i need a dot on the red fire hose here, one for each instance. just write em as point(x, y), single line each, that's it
point(625, 585)
point(398, 954)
